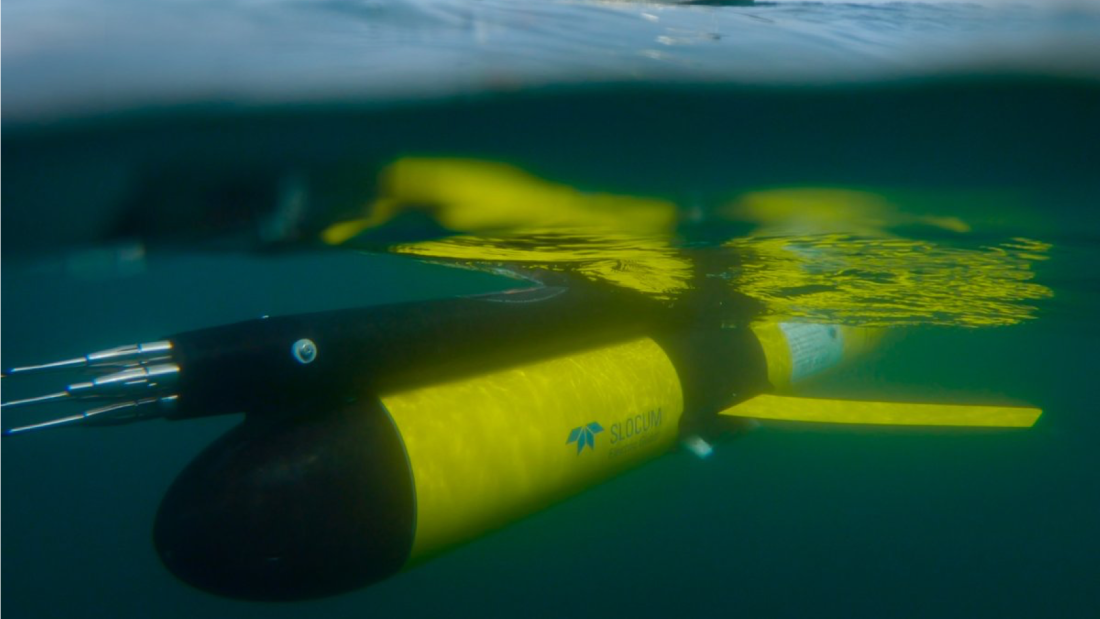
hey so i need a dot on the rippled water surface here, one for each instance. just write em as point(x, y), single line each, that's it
point(62, 56)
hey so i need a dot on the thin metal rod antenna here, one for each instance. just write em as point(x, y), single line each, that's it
point(117, 413)
point(135, 353)
point(135, 380)
point(68, 364)
point(126, 380)
point(52, 397)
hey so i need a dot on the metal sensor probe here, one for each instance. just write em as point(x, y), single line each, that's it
point(132, 382)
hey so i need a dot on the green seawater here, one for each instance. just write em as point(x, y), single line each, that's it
point(788, 520)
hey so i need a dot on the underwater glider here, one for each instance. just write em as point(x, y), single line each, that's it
point(376, 437)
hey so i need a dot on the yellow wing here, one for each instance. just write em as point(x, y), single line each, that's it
point(883, 413)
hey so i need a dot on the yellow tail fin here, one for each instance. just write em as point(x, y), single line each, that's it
point(883, 413)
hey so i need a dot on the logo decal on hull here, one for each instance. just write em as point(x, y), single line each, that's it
point(585, 435)
point(635, 432)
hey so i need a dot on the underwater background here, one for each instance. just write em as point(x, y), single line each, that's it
point(127, 120)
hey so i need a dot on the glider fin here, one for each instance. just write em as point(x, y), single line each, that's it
point(883, 413)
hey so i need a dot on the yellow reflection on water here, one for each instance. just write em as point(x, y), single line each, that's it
point(824, 255)
point(839, 278)
point(501, 214)
point(650, 265)
point(828, 255)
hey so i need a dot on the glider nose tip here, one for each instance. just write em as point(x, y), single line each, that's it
point(291, 510)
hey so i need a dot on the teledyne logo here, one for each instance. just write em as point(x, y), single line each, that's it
point(585, 435)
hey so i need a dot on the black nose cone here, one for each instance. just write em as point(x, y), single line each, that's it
point(284, 510)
